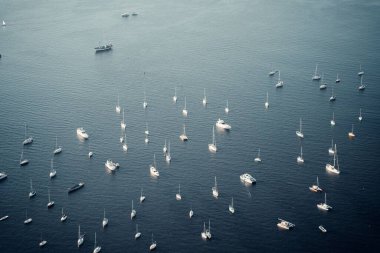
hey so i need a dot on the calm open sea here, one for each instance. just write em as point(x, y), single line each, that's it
point(52, 80)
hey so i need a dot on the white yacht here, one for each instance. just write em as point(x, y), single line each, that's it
point(146, 132)
point(27, 220)
point(316, 76)
point(231, 206)
point(333, 97)
point(117, 108)
point(3, 24)
point(331, 149)
point(175, 95)
point(184, 111)
point(28, 140)
point(122, 123)
point(212, 146)
point(183, 136)
point(222, 125)
point(50, 203)
point(227, 108)
point(80, 238)
point(97, 249)
point(168, 157)
point(279, 83)
point(111, 165)
point(315, 187)
point(337, 80)
point(203, 233)
point(247, 178)
point(138, 234)
point(300, 159)
point(285, 224)
point(32, 192)
point(361, 86)
point(58, 149)
point(3, 175)
point(178, 195)
point(53, 172)
point(335, 167)
point(125, 146)
point(63, 216)
point(204, 100)
point(153, 245)
point(360, 115)
point(299, 133)
point(165, 148)
point(267, 102)
point(82, 133)
point(323, 85)
point(142, 197)
point(332, 121)
point(324, 206)
point(105, 220)
point(23, 161)
point(351, 134)
point(133, 212)
point(145, 104)
point(258, 158)
point(272, 72)
point(153, 168)
point(4, 217)
point(208, 231)
point(215, 191)
point(322, 229)
point(361, 72)
point(42, 242)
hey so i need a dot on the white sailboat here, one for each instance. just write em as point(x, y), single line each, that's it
point(279, 83)
point(285, 224)
point(208, 231)
point(231, 206)
point(27, 220)
point(351, 134)
point(332, 121)
point(203, 233)
point(42, 242)
point(361, 72)
point(258, 158)
point(267, 102)
point(50, 203)
point(299, 132)
point(96, 248)
point(204, 100)
point(133, 212)
point(360, 115)
point(165, 148)
point(183, 136)
point(90, 153)
point(137, 234)
point(337, 80)
point(32, 192)
point(214, 189)
point(63, 216)
point(323, 85)
point(331, 149)
point(316, 76)
point(125, 146)
point(142, 197)
point(145, 103)
point(191, 213)
point(168, 157)
point(58, 149)
point(333, 97)
point(212, 146)
point(27, 140)
point(227, 108)
point(175, 95)
point(178, 195)
point(146, 128)
point(153, 168)
point(184, 111)
point(122, 123)
point(361, 86)
point(80, 238)
point(4, 24)
point(324, 206)
point(52, 172)
point(315, 188)
point(300, 158)
point(335, 167)
point(272, 72)
point(146, 139)
point(105, 220)
point(153, 245)
point(23, 161)
point(117, 108)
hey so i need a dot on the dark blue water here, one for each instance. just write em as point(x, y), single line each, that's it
point(51, 79)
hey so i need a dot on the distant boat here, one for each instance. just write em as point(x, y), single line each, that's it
point(168, 157)
point(178, 195)
point(334, 168)
point(191, 213)
point(285, 224)
point(80, 238)
point(351, 134)
point(360, 115)
point(134, 14)
point(133, 212)
point(315, 187)
point(258, 158)
point(266, 102)
point(299, 133)
point(331, 149)
point(105, 220)
point(4, 217)
point(63, 216)
point(221, 124)
point(27, 220)
point(184, 111)
point(361, 86)
point(146, 139)
point(142, 197)
point(42, 242)
point(206, 233)
point(323, 84)
point(58, 149)
point(3, 175)
point(102, 48)
point(50, 204)
point(333, 97)
point(97, 249)
point(53, 172)
point(122, 123)
point(337, 80)
point(203, 233)
point(4, 24)
point(215, 191)
point(322, 229)
point(300, 158)
point(32, 192)
point(145, 103)
point(125, 15)
point(165, 148)
point(316, 76)
point(28, 140)
point(117, 108)
point(23, 161)
point(153, 245)
point(272, 72)
point(212, 146)
point(82, 133)
point(111, 165)
point(75, 187)
point(279, 83)
point(183, 136)
point(361, 72)
point(231, 206)
point(175, 95)
point(332, 121)
point(153, 168)
point(204, 101)
point(324, 206)
point(247, 178)
point(138, 234)
point(227, 108)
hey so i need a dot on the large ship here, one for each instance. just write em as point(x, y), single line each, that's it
point(75, 187)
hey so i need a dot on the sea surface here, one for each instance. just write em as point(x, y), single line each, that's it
point(52, 80)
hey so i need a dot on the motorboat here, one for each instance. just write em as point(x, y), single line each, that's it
point(82, 133)
point(285, 224)
point(247, 178)
point(102, 48)
point(322, 229)
point(3, 175)
point(111, 165)
point(222, 125)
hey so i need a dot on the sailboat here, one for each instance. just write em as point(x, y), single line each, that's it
point(57, 149)
point(27, 220)
point(323, 84)
point(50, 203)
point(168, 157)
point(4, 24)
point(324, 206)
point(280, 83)
point(63, 216)
point(266, 102)
point(208, 231)
point(153, 168)
point(32, 192)
point(212, 146)
point(361, 72)
point(316, 76)
point(138, 234)
point(335, 167)
point(300, 158)
point(361, 86)
point(337, 80)
point(204, 101)
point(231, 206)
point(105, 220)
point(23, 161)
point(133, 212)
point(153, 245)
point(258, 158)
point(165, 148)
point(227, 108)
point(96, 248)
point(178, 195)
point(125, 146)
point(53, 172)
point(299, 132)
point(28, 140)
point(122, 123)
point(90, 153)
point(175, 95)
point(332, 121)
point(146, 139)
point(360, 115)
point(146, 128)
point(191, 213)
point(315, 188)
point(183, 136)
point(215, 191)
point(203, 233)
point(184, 111)
point(42, 242)
point(351, 134)
point(142, 197)
point(118, 105)
point(145, 104)
point(333, 97)
point(331, 149)
point(80, 238)
point(272, 72)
